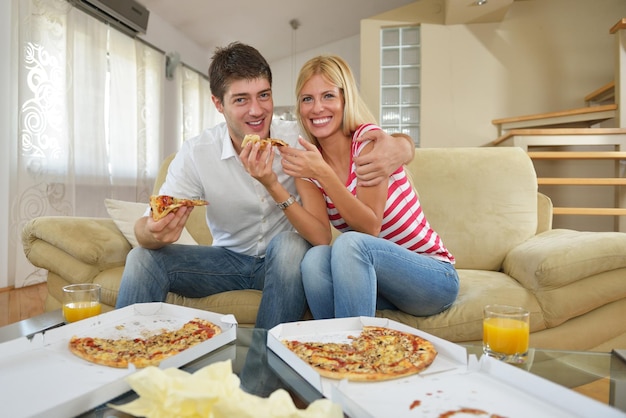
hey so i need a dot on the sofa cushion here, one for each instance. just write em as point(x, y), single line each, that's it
point(463, 321)
point(125, 214)
point(481, 201)
point(244, 304)
point(561, 256)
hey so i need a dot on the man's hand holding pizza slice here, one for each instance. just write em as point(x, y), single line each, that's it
point(257, 157)
point(159, 229)
point(161, 205)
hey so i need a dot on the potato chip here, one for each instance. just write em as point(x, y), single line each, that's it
point(211, 392)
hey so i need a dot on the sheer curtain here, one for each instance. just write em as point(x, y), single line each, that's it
point(90, 115)
point(198, 110)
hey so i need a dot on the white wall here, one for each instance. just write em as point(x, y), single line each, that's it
point(284, 77)
point(165, 37)
point(546, 55)
point(537, 60)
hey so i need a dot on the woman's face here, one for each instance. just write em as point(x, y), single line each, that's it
point(321, 107)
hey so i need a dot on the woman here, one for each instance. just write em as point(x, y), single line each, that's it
point(388, 256)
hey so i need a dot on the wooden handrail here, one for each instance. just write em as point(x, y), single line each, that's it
point(621, 24)
point(593, 181)
point(603, 93)
point(577, 155)
point(590, 211)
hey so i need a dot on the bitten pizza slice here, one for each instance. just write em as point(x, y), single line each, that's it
point(161, 205)
point(264, 142)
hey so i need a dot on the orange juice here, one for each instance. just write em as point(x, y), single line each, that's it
point(75, 311)
point(506, 335)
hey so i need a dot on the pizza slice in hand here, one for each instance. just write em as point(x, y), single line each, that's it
point(264, 142)
point(161, 205)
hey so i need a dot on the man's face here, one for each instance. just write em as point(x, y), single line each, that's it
point(248, 108)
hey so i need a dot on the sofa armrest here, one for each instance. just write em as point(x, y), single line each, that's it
point(73, 247)
point(558, 257)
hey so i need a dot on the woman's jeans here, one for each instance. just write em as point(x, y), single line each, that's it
point(360, 273)
point(198, 271)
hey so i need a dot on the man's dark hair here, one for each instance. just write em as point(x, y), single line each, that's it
point(234, 62)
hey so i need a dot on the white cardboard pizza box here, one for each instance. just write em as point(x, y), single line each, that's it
point(41, 377)
point(452, 384)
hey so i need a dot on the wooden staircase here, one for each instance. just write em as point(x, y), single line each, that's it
point(574, 135)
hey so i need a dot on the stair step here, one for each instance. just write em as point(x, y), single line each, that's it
point(577, 155)
point(561, 181)
point(604, 94)
point(590, 211)
point(562, 137)
point(584, 116)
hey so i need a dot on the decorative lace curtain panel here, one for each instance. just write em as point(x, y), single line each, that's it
point(90, 111)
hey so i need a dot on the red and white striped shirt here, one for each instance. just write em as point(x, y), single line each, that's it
point(403, 220)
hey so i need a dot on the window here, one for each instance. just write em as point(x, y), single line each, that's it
point(400, 81)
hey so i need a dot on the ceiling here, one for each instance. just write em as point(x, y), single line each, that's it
point(264, 24)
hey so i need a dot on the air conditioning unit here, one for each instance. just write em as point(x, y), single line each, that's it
point(127, 15)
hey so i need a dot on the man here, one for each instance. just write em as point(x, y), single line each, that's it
point(254, 244)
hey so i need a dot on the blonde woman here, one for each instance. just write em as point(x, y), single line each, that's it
point(388, 256)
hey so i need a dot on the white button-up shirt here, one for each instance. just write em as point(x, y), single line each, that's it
point(241, 214)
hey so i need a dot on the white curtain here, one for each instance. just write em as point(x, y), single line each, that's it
point(90, 111)
point(198, 110)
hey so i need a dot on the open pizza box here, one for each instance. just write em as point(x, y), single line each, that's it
point(41, 377)
point(453, 385)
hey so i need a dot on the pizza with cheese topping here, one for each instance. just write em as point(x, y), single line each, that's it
point(377, 354)
point(161, 205)
point(252, 138)
point(143, 352)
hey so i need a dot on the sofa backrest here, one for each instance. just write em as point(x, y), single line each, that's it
point(481, 201)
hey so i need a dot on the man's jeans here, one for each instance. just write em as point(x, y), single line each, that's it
point(198, 271)
point(361, 273)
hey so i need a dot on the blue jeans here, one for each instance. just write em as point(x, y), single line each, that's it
point(360, 273)
point(198, 271)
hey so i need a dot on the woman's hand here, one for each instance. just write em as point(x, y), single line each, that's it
point(306, 163)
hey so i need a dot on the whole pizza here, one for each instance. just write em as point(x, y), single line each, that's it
point(143, 352)
point(377, 354)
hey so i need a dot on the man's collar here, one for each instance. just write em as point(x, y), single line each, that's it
point(228, 149)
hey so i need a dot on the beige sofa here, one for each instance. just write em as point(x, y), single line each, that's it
point(485, 205)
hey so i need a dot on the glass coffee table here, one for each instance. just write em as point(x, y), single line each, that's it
point(599, 375)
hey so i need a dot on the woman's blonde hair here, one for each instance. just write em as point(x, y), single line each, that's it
point(337, 72)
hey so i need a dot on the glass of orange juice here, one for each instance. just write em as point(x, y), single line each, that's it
point(81, 301)
point(506, 331)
